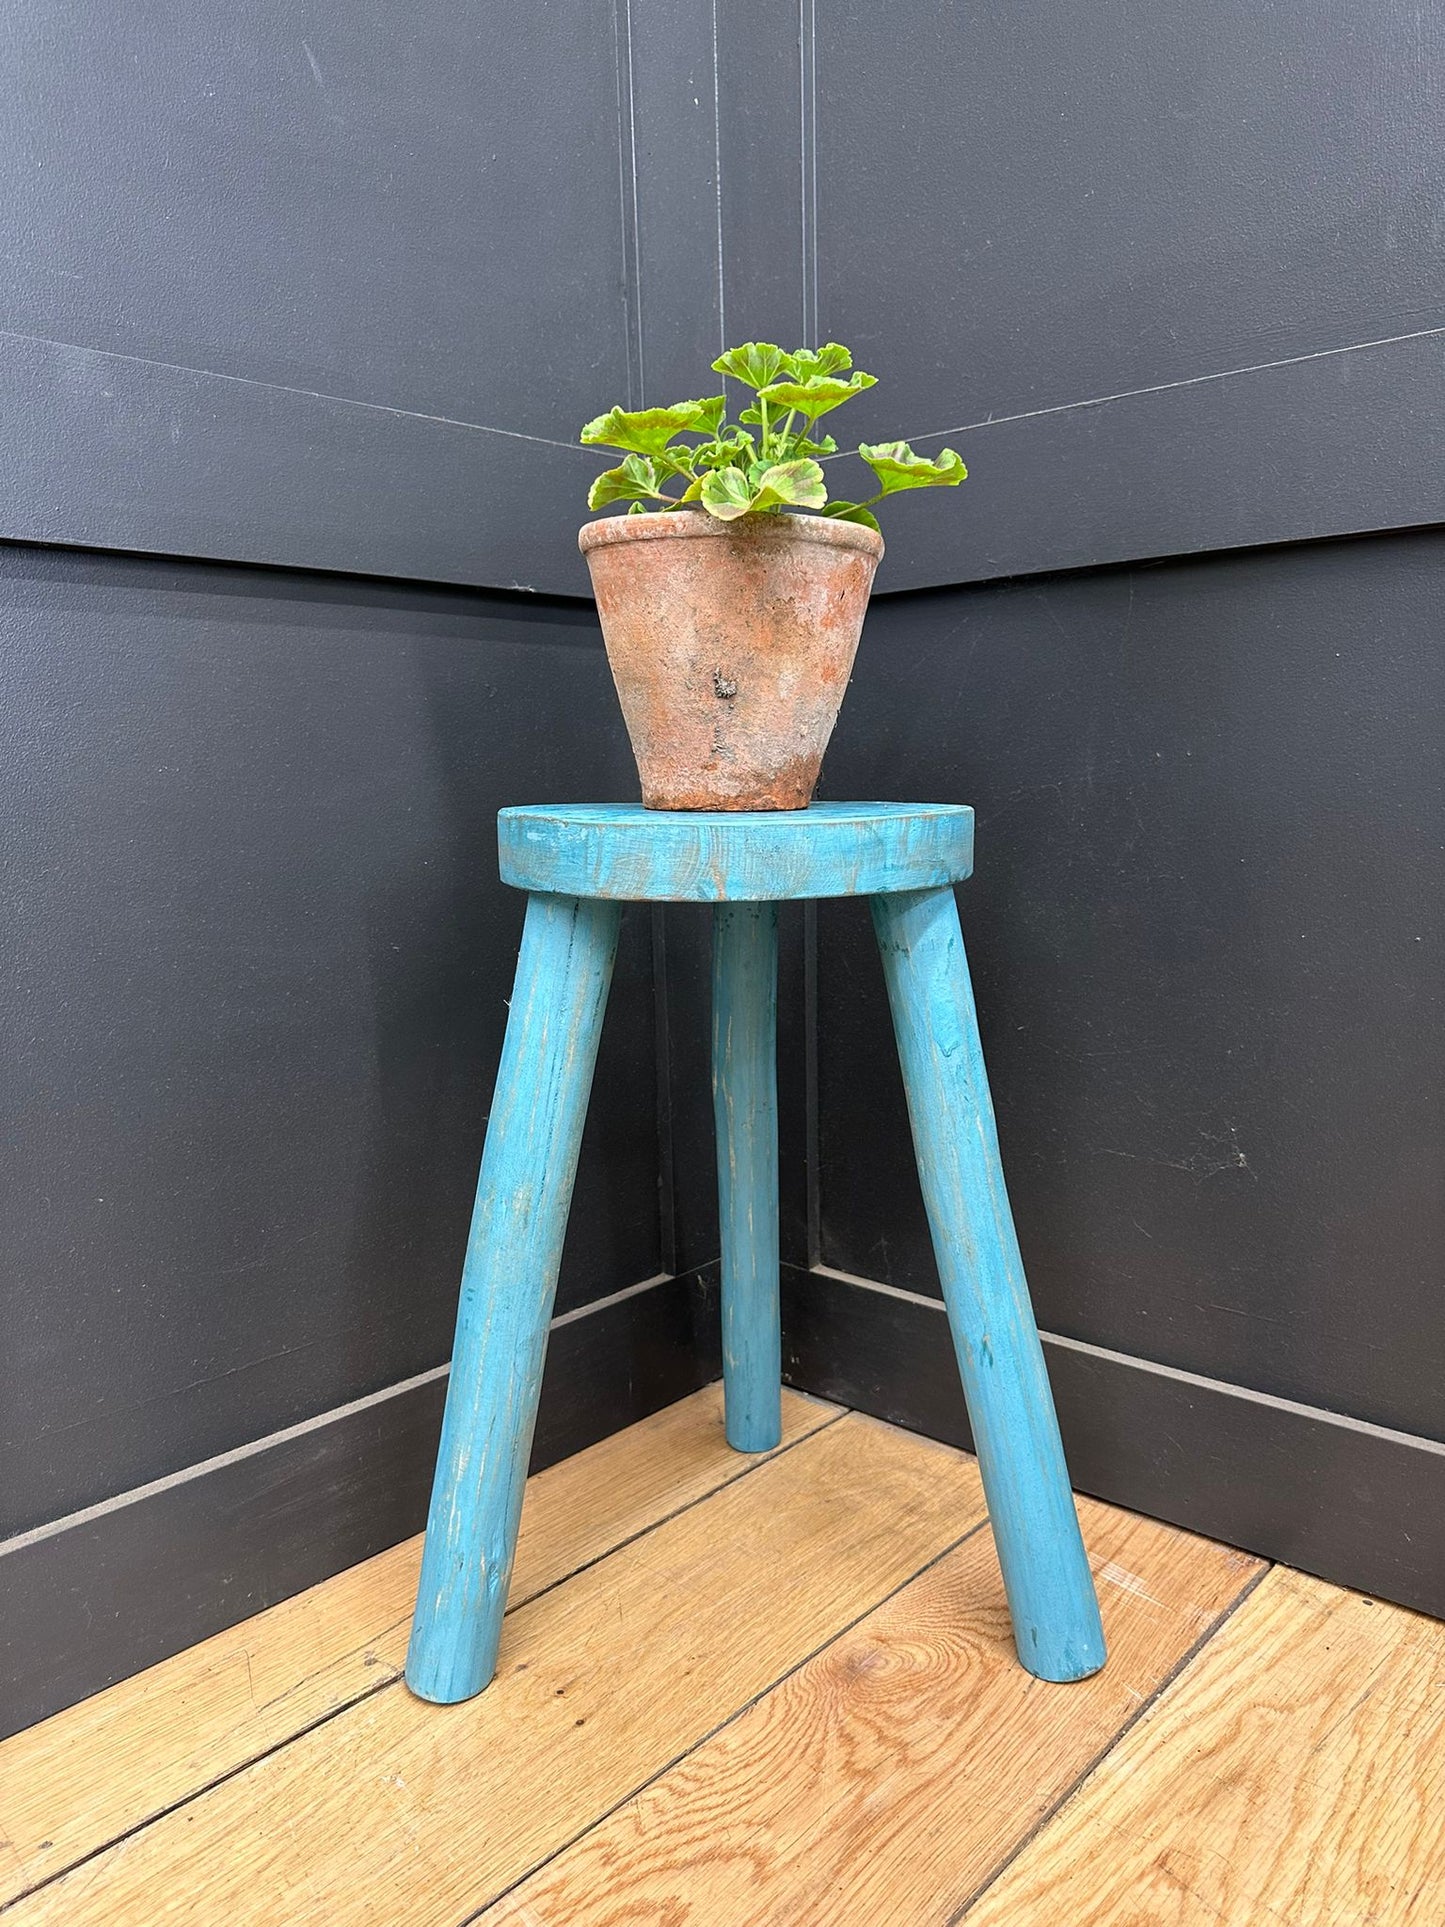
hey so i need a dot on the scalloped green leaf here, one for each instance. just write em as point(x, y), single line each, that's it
point(794, 484)
point(755, 362)
point(852, 512)
point(831, 359)
point(726, 493)
point(713, 408)
point(817, 394)
point(731, 449)
point(636, 479)
point(897, 467)
point(647, 431)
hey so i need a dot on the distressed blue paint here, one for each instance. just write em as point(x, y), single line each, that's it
point(715, 856)
point(508, 1284)
point(1040, 1550)
point(745, 1109)
point(579, 863)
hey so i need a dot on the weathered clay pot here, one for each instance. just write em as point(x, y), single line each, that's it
point(731, 645)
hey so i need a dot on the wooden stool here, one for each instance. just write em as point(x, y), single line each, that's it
point(581, 864)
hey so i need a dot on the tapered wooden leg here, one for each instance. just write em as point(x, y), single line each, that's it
point(745, 1108)
point(1045, 1569)
point(508, 1284)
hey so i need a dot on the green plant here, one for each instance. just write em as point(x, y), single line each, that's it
point(730, 471)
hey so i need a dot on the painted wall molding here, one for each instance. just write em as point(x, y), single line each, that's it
point(107, 1591)
point(1360, 1504)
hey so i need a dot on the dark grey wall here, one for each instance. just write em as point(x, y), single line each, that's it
point(1170, 279)
point(273, 271)
point(300, 283)
point(257, 962)
point(1206, 928)
point(1169, 276)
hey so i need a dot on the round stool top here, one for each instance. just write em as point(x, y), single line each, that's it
point(750, 856)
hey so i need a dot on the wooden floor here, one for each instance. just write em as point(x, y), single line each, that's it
point(742, 1692)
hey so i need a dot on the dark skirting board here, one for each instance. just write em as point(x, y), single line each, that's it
point(119, 1588)
point(1358, 1504)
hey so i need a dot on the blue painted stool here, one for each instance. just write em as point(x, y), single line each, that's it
point(580, 865)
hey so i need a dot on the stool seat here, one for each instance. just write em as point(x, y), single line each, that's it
point(625, 852)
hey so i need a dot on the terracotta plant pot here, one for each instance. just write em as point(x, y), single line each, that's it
point(731, 644)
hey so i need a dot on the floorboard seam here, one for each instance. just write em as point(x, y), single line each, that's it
point(1045, 1819)
point(744, 1472)
point(471, 1920)
point(189, 1799)
point(397, 1678)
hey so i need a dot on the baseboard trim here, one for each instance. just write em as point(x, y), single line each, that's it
point(1355, 1503)
point(108, 1591)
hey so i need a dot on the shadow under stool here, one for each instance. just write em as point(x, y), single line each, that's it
point(580, 864)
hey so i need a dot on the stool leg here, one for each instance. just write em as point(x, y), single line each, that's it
point(509, 1281)
point(1045, 1568)
point(745, 1109)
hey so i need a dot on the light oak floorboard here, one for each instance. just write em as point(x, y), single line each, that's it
point(81, 1779)
point(1294, 1774)
point(889, 1777)
point(396, 1811)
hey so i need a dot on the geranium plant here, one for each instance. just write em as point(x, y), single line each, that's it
point(770, 459)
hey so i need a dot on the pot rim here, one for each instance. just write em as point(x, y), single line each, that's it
point(682, 525)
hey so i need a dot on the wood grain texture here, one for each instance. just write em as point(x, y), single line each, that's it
point(1295, 1773)
point(708, 856)
point(745, 1115)
point(509, 1281)
point(401, 1811)
point(1000, 1359)
point(889, 1777)
point(93, 1772)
